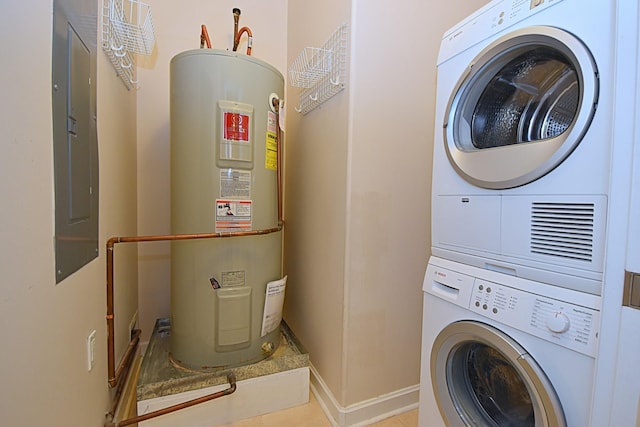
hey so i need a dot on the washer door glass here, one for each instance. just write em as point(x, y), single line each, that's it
point(481, 377)
point(522, 107)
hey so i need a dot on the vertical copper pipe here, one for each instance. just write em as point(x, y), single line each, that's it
point(276, 103)
point(236, 19)
point(111, 364)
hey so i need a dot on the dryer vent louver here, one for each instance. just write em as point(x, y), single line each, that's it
point(563, 230)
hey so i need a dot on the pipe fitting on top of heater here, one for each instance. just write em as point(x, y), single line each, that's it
point(236, 20)
point(204, 37)
point(237, 33)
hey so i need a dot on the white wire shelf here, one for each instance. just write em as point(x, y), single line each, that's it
point(321, 72)
point(127, 30)
point(133, 26)
point(310, 67)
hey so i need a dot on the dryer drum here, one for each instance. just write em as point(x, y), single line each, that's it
point(535, 96)
point(521, 107)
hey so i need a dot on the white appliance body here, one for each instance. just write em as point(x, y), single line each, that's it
point(499, 350)
point(530, 202)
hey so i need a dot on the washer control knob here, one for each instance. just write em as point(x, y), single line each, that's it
point(558, 322)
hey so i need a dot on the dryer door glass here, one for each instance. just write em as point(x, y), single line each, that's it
point(522, 107)
point(482, 377)
point(532, 98)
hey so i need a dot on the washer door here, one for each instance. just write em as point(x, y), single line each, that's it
point(524, 104)
point(482, 377)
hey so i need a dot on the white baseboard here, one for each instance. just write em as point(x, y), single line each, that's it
point(366, 412)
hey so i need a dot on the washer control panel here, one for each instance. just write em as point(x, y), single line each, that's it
point(566, 324)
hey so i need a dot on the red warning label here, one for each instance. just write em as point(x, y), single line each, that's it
point(236, 127)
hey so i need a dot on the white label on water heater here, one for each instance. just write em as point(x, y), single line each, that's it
point(273, 305)
point(235, 184)
point(232, 278)
point(233, 215)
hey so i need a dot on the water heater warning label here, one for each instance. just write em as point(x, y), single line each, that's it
point(233, 215)
point(236, 126)
point(235, 184)
point(271, 153)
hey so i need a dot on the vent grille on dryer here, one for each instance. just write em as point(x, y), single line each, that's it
point(562, 230)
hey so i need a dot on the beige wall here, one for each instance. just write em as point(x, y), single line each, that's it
point(177, 28)
point(44, 326)
point(358, 190)
point(316, 204)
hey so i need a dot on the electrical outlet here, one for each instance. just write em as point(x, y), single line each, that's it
point(91, 348)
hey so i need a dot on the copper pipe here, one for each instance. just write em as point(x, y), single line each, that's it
point(116, 397)
point(127, 358)
point(276, 104)
point(236, 41)
point(232, 388)
point(115, 375)
point(204, 37)
point(236, 19)
point(110, 324)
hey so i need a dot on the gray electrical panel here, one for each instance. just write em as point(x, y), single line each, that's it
point(75, 145)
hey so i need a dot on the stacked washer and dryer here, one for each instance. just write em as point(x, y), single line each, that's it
point(522, 149)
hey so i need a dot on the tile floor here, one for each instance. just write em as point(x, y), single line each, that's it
point(311, 415)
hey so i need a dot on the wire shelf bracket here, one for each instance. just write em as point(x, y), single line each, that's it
point(127, 30)
point(320, 72)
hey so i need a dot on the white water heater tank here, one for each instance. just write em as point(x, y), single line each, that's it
point(224, 136)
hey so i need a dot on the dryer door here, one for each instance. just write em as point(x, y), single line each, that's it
point(482, 377)
point(522, 107)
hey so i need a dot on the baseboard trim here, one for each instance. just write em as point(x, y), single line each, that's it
point(363, 413)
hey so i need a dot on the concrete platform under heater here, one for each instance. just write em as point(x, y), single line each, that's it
point(278, 382)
